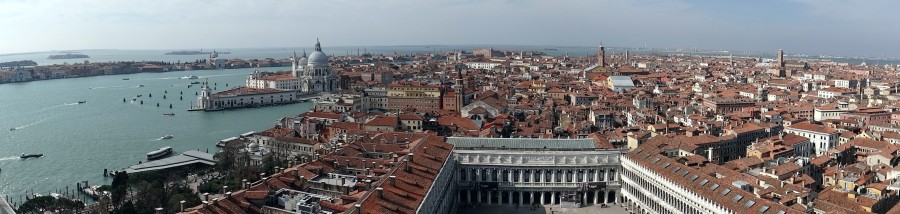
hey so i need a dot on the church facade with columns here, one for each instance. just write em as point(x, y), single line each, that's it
point(529, 172)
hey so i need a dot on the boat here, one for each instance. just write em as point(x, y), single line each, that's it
point(140, 95)
point(168, 114)
point(125, 79)
point(161, 152)
point(195, 82)
point(12, 129)
point(168, 136)
point(140, 86)
point(26, 156)
point(82, 102)
point(193, 77)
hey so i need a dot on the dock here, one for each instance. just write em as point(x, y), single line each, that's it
point(187, 158)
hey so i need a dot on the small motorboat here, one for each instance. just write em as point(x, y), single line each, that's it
point(195, 82)
point(140, 86)
point(12, 129)
point(193, 77)
point(167, 136)
point(161, 152)
point(26, 156)
point(169, 114)
point(125, 79)
point(82, 102)
point(140, 95)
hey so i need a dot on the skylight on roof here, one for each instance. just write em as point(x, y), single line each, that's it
point(726, 191)
point(763, 209)
point(704, 181)
point(780, 212)
point(694, 177)
point(655, 160)
point(737, 198)
point(713, 187)
point(749, 203)
point(666, 164)
point(684, 173)
point(676, 169)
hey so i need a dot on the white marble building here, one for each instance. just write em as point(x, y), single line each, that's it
point(315, 72)
point(526, 171)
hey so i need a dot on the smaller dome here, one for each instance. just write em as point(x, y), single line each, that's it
point(302, 61)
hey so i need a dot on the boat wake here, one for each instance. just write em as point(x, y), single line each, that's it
point(220, 75)
point(30, 124)
point(112, 87)
point(71, 104)
point(9, 158)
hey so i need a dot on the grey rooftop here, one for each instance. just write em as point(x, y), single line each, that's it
point(522, 143)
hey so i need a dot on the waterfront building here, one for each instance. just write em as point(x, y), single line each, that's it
point(241, 97)
point(527, 171)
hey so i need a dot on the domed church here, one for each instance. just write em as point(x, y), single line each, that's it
point(314, 73)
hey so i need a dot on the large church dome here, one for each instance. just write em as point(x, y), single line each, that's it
point(318, 57)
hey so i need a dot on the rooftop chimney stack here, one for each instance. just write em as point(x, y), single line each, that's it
point(393, 180)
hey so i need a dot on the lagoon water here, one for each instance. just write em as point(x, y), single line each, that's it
point(80, 140)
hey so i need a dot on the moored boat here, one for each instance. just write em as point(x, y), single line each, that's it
point(169, 114)
point(168, 136)
point(26, 156)
point(161, 152)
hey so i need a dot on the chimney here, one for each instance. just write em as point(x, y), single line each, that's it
point(395, 138)
point(214, 201)
point(393, 180)
point(373, 164)
point(228, 195)
point(343, 181)
point(206, 196)
point(425, 150)
point(244, 184)
point(411, 158)
point(380, 192)
point(358, 208)
point(182, 205)
point(205, 204)
point(224, 189)
point(406, 165)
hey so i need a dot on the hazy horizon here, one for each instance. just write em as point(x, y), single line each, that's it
point(831, 27)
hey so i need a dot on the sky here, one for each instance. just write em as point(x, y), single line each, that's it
point(839, 27)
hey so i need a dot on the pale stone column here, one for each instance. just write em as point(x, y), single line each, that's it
point(553, 176)
point(521, 175)
point(584, 199)
point(531, 197)
point(521, 198)
point(596, 197)
point(584, 176)
point(531, 176)
point(469, 199)
point(510, 198)
point(542, 197)
point(606, 196)
point(596, 175)
point(553, 198)
point(617, 196)
point(543, 176)
point(489, 197)
point(477, 175)
point(478, 193)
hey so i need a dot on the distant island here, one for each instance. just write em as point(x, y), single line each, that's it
point(68, 56)
point(18, 63)
point(193, 53)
